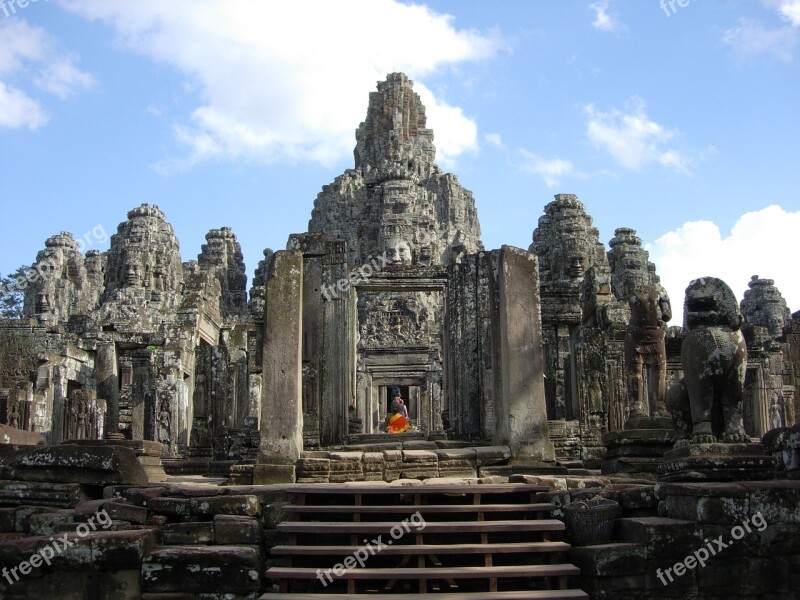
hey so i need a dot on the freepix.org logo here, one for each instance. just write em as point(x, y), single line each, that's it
point(371, 548)
point(56, 546)
point(9, 7)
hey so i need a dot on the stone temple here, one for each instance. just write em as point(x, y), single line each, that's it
point(206, 421)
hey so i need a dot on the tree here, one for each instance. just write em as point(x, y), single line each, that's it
point(12, 296)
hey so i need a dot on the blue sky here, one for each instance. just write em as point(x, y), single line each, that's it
point(681, 122)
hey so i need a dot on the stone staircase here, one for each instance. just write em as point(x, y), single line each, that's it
point(441, 541)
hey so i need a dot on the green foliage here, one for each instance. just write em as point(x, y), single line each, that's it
point(11, 295)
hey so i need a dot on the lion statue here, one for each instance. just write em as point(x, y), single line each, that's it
point(707, 403)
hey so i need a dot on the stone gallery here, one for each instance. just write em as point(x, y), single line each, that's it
point(189, 436)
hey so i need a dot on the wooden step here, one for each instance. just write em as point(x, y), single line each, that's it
point(429, 526)
point(520, 595)
point(510, 548)
point(562, 570)
point(422, 508)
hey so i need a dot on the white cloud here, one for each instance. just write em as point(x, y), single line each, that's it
point(27, 49)
point(751, 37)
point(62, 78)
point(632, 138)
point(761, 242)
point(289, 81)
point(552, 171)
point(603, 20)
point(789, 10)
point(19, 110)
point(494, 139)
point(453, 133)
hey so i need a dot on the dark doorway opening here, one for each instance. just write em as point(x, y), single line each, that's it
point(403, 394)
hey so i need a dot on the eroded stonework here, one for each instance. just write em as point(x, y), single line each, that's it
point(396, 199)
point(764, 306)
point(389, 290)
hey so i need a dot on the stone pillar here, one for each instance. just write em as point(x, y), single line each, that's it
point(522, 365)
point(108, 386)
point(282, 398)
point(336, 364)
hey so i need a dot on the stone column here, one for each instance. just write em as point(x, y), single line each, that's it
point(282, 397)
point(336, 392)
point(108, 386)
point(521, 358)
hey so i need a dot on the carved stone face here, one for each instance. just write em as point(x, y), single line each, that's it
point(398, 252)
point(132, 274)
point(576, 268)
point(42, 303)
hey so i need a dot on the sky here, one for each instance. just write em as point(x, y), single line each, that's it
point(681, 122)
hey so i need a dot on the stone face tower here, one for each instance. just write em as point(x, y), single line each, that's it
point(764, 306)
point(567, 246)
point(395, 205)
point(222, 256)
point(396, 200)
point(144, 271)
point(69, 283)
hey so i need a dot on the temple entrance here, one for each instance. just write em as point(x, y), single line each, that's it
point(409, 394)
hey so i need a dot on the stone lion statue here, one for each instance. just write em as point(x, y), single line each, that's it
point(707, 403)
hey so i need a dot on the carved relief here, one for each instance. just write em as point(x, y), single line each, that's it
point(397, 319)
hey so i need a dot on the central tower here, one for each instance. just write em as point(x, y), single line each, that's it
point(394, 208)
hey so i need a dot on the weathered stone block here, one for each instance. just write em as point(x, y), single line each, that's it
point(246, 506)
point(141, 496)
point(609, 560)
point(202, 569)
point(179, 534)
point(267, 474)
point(663, 538)
point(178, 507)
point(662, 581)
point(708, 510)
point(116, 550)
point(7, 520)
point(20, 437)
point(23, 516)
point(14, 493)
point(492, 455)
point(232, 530)
point(92, 465)
point(777, 501)
point(638, 498)
point(48, 523)
point(504, 471)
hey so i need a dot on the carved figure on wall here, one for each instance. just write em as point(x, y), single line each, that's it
point(81, 417)
point(714, 360)
point(165, 421)
point(13, 414)
point(309, 388)
point(646, 356)
point(775, 411)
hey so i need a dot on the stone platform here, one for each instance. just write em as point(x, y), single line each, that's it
point(636, 450)
point(717, 462)
point(148, 453)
